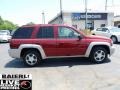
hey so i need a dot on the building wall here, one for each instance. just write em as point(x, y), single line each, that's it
point(80, 24)
point(67, 19)
point(117, 18)
point(98, 23)
point(110, 19)
point(117, 21)
point(56, 21)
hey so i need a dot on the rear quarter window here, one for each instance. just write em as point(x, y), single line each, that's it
point(45, 32)
point(99, 29)
point(23, 33)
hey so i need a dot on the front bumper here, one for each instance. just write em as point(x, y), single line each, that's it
point(15, 53)
point(112, 50)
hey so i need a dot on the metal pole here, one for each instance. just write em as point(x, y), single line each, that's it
point(61, 14)
point(43, 17)
point(85, 14)
point(112, 2)
point(106, 5)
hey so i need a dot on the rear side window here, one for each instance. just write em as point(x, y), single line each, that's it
point(104, 29)
point(99, 29)
point(45, 32)
point(23, 33)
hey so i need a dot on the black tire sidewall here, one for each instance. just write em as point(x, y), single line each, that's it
point(33, 52)
point(115, 39)
point(93, 52)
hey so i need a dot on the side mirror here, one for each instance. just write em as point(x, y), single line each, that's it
point(79, 37)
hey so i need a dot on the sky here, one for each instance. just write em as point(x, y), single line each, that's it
point(24, 11)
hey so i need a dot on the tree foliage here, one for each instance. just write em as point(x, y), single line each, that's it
point(30, 23)
point(7, 25)
point(1, 21)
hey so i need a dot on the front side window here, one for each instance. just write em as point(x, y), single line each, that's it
point(64, 32)
point(45, 32)
point(23, 33)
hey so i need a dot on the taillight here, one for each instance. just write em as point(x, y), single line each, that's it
point(13, 44)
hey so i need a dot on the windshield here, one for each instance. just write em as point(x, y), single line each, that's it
point(115, 30)
point(3, 33)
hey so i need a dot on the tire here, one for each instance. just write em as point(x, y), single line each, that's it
point(31, 58)
point(114, 39)
point(98, 55)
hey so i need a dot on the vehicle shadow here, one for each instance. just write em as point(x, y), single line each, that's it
point(117, 43)
point(3, 42)
point(16, 63)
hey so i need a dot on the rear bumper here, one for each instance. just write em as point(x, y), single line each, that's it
point(15, 53)
point(112, 50)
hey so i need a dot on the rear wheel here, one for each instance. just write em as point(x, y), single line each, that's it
point(31, 58)
point(98, 55)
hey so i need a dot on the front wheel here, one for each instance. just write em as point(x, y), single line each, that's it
point(31, 58)
point(98, 55)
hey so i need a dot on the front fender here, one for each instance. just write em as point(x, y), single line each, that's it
point(92, 44)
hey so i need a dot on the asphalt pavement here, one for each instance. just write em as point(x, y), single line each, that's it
point(66, 74)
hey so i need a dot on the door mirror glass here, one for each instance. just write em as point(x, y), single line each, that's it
point(79, 37)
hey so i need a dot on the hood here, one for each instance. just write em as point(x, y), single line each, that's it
point(97, 37)
point(116, 33)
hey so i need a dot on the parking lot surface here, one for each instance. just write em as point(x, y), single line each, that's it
point(66, 74)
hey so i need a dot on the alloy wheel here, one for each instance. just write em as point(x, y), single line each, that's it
point(31, 59)
point(99, 55)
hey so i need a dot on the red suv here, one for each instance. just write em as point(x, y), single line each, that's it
point(37, 42)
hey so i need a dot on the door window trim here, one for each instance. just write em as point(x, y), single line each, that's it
point(45, 37)
point(69, 29)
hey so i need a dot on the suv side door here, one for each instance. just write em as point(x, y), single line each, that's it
point(68, 43)
point(46, 38)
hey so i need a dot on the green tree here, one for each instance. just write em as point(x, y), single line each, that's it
point(1, 20)
point(7, 25)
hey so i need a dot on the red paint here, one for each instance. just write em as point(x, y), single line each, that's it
point(56, 46)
